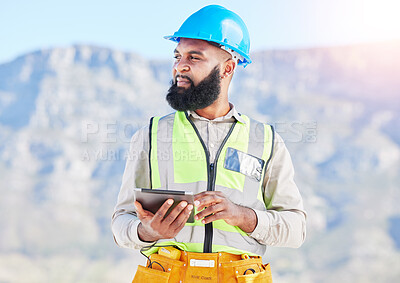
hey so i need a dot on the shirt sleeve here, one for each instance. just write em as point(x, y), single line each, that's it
point(124, 222)
point(284, 222)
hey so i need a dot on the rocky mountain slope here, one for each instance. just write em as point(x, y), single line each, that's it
point(67, 115)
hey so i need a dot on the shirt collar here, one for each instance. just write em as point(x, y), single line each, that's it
point(232, 113)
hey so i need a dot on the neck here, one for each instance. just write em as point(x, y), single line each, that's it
point(218, 109)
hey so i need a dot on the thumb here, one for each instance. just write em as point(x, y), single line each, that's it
point(138, 207)
point(141, 212)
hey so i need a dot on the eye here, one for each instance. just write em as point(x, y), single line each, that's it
point(177, 57)
point(194, 58)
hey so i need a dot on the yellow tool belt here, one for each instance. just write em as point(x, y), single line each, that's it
point(204, 267)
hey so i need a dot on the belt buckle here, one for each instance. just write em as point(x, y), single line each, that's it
point(202, 262)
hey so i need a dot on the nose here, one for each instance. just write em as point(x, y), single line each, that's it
point(181, 66)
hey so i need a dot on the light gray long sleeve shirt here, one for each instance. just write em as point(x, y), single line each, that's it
point(284, 222)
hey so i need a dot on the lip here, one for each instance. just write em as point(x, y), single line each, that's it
point(182, 82)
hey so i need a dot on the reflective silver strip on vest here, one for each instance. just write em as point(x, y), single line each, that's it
point(164, 150)
point(255, 148)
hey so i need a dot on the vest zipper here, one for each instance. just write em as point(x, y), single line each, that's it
point(211, 174)
point(207, 247)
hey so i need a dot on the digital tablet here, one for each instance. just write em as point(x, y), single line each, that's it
point(153, 199)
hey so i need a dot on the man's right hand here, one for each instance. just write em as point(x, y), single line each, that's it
point(154, 227)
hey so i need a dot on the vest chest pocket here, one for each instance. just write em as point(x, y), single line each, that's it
point(249, 165)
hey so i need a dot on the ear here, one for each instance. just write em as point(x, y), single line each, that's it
point(228, 68)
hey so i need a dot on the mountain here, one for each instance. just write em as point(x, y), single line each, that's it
point(67, 116)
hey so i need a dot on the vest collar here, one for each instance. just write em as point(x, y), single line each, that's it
point(232, 113)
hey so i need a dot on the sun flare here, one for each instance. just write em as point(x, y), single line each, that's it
point(380, 18)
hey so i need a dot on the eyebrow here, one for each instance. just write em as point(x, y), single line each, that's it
point(191, 52)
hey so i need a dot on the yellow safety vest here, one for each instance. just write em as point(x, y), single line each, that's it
point(179, 160)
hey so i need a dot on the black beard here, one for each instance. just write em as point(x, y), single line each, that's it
point(195, 97)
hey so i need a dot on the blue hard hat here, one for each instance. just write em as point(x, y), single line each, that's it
point(217, 24)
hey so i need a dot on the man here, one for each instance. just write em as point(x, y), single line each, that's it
point(239, 169)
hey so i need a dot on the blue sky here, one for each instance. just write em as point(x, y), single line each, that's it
point(138, 26)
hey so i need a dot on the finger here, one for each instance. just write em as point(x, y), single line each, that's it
point(180, 221)
point(159, 215)
point(209, 210)
point(211, 218)
point(174, 213)
point(200, 195)
point(207, 193)
point(207, 200)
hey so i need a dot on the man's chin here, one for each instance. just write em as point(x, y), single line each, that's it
point(181, 89)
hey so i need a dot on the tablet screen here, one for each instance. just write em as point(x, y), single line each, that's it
point(153, 199)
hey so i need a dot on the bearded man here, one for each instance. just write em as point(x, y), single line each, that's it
point(239, 170)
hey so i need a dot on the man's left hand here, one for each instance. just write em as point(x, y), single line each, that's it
point(218, 206)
